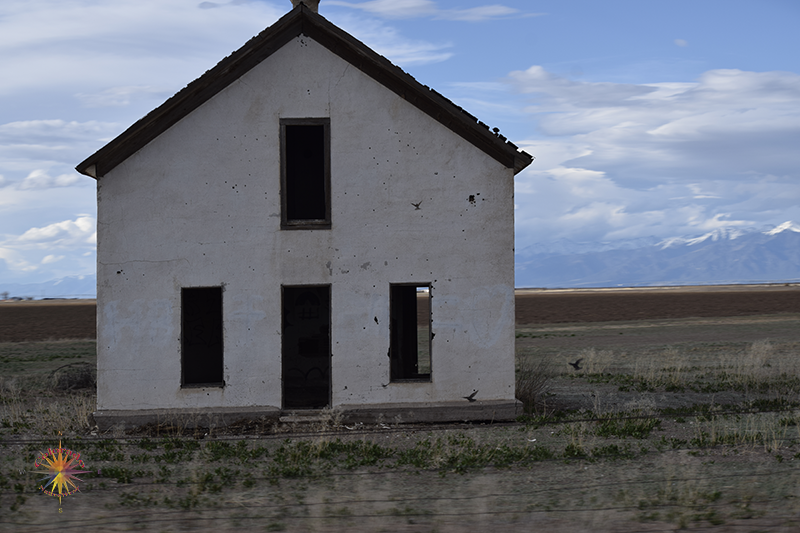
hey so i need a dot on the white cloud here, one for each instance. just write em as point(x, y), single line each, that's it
point(46, 43)
point(64, 233)
point(146, 50)
point(404, 9)
point(52, 146)
point(214, 5)
point(15, 261)
point(51, 132)
point(477, 14)
point(566, 94)
point(660, 159)
point(393, 8)
point(657, 129)
point(388, 42)
point(51, 259)
point(122, 96)
point(65, 248)
point(699, 193)
point(38, 179)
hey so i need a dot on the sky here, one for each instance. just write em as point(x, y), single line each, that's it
point(648, 119)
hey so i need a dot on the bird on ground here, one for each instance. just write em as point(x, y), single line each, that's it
point(577, 364)
point(471, 397)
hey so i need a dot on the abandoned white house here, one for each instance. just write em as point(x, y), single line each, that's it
point(305, 226)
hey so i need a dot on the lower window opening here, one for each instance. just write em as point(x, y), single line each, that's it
point(201, 336)
point(410, 333)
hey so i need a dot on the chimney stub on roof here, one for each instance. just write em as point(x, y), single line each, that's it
point(313, 5)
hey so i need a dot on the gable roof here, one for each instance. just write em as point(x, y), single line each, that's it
point(302, 21)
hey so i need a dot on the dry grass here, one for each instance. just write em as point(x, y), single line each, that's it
point(532, 384)
point(760, 368)
point(44, 415)
point(668, 368)
point(74, 376)
point(663, 472)
point(596, 361)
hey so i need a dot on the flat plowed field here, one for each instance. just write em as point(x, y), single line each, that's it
point(47, 320)
point(611, 305)
point(43, 320)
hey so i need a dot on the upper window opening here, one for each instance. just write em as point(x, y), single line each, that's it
point(305, 173)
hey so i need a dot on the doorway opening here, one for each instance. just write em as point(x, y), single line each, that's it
point(306, 347)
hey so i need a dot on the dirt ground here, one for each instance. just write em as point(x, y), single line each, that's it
point(75, 319)
point(641, 344)
point(547, 306)
point(38, 320)
point(668, 481)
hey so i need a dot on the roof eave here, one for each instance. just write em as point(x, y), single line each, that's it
point(301, 20)
point(192, 96)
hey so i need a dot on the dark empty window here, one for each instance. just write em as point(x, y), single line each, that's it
point(305, 173)
point(410, 332)
point(201, 336)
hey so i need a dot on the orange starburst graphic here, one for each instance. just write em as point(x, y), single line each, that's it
point(62, 468)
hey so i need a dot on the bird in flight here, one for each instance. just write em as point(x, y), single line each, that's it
point(471, 397)
point(416, 205)
point(577, 364)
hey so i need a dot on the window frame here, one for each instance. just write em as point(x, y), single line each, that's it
point(308, 224)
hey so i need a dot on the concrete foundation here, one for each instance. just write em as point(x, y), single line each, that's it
point(489, 410)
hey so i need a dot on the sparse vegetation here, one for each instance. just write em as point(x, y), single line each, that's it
point(683, 433)
point(532, 382)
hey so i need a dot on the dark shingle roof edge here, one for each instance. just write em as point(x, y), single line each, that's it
point(302, 21)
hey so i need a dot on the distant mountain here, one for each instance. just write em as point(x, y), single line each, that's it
point(722, 256)
point(68, 287)
point(569, 247)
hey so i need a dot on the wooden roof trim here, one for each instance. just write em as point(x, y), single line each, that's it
point(190, 97)
point(301, 21)
point(425, 98)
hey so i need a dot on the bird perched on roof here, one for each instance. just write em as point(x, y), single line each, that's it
point(471, 397)
point(577, 364)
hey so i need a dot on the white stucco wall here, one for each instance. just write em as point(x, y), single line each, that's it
point(200, 206)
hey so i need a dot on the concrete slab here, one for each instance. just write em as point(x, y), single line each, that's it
point(404, 413)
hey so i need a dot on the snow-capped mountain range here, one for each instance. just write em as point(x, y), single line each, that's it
point(67, 287)
point(726, 255)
